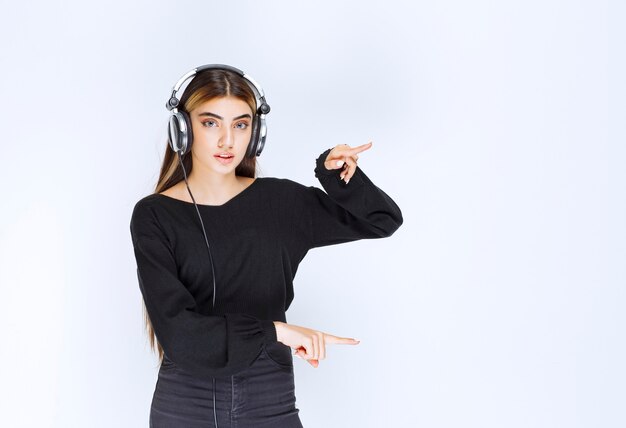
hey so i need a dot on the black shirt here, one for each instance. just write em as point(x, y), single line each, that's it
point(257, 240)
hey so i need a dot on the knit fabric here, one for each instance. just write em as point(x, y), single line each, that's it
point(257, 239)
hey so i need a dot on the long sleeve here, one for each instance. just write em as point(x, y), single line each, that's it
point(347, 212)
point(200, 344)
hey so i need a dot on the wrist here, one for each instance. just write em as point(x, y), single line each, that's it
point(320, 167)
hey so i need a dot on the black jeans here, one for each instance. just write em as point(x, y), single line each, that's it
point(261, 396)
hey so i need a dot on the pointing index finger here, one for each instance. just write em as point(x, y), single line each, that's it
point(359, 149)
point(330, 339)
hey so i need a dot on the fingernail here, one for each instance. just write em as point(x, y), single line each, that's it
point(347, 181)
point(339, 162)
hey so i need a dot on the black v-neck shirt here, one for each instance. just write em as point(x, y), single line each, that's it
point(257, 239)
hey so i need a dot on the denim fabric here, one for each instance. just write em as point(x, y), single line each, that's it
point(260, 396)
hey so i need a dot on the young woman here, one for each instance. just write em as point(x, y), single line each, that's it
point(216, 265)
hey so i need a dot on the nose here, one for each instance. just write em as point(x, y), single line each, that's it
point(226, 137)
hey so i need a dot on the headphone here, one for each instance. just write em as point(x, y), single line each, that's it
point(181, 138)
point(179, 127)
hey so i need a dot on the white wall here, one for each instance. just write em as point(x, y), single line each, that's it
point(498, 127)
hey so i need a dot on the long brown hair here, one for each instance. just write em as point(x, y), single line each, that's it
point(206, 85)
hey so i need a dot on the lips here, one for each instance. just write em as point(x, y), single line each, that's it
point(225, 158)
point(224, 155)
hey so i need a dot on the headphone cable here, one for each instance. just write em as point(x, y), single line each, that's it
point(180, 158)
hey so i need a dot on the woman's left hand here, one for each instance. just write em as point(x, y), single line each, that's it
point(344, 156)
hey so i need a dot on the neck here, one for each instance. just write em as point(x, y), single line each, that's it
point(213, 188)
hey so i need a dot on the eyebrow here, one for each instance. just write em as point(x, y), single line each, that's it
point(208, 113)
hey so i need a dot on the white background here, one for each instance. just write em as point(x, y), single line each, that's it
point(498, 128)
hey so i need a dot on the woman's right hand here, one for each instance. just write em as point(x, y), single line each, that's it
point(309, 344)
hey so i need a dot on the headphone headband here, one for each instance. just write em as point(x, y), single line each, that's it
point(173, 101)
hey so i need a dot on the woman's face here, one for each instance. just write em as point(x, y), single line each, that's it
point(221, 125)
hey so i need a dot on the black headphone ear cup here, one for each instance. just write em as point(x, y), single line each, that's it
point(188, 133)
point(173, 133)
point(180, 132)
point(254, 137)
point(262, 136)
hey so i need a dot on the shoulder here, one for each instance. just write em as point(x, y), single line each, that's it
point(286, 187)
point(146, 204)
point(149, 216)
point(294, 198)
point(279, 182)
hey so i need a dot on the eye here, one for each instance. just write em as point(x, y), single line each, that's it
point(245, 125)
point(208, 121)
